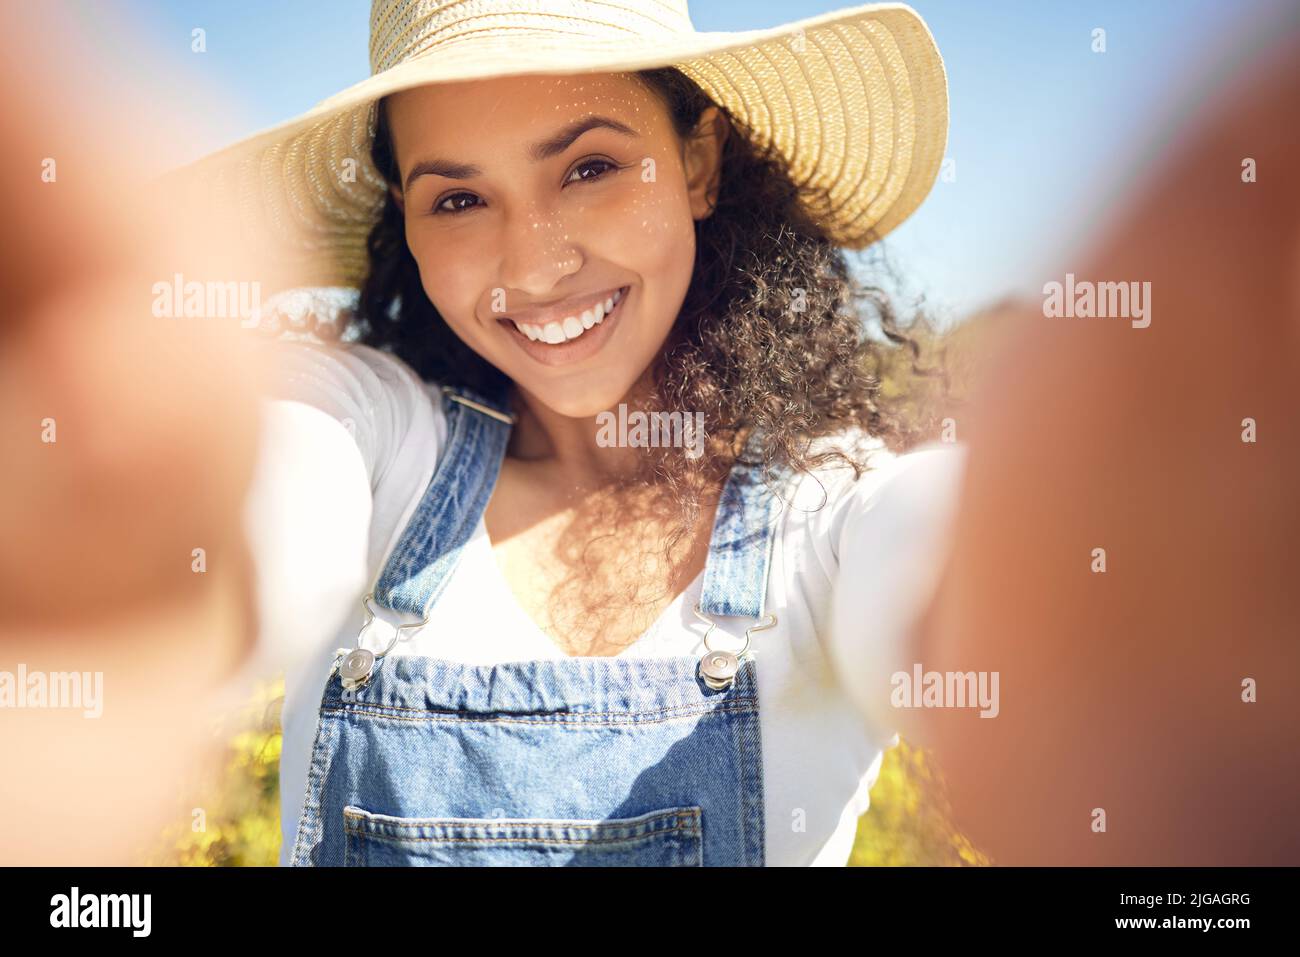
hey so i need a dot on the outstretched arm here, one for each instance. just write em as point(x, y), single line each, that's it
point(1125, 550)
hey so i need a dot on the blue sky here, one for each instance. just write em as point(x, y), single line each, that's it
point(1044, 132)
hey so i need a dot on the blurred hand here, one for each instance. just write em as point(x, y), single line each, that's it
point(1121, 691)
point(128, 442)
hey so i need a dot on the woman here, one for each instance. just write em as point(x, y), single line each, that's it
point(1105, 670)
point(588, 640)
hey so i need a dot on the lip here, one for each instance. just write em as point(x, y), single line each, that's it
point(573, 350)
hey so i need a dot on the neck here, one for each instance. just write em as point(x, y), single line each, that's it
point(569, 445)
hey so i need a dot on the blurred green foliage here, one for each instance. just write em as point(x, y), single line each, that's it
point(232, 815)
point(910, 821)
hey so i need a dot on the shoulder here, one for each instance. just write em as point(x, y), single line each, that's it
point(891, 543)
point(308, 359)
point(911, 496)
point(380, 412)
point(345, 367)
point(388, 410)
point(882, 465)
point(898, 495)
point(834, 477)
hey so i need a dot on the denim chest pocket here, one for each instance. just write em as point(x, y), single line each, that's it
point(670, 837)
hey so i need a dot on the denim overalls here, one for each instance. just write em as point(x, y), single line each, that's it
point(585, 761)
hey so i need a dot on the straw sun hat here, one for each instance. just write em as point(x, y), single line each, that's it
point(854, 101)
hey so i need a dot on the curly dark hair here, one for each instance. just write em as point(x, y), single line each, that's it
point(770, 337)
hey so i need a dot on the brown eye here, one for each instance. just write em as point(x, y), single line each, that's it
point(594, 164)
point(600, 167)
point(442, 208)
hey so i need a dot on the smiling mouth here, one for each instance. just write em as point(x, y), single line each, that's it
point(571, 327)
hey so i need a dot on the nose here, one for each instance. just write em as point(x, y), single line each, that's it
point(539, 249)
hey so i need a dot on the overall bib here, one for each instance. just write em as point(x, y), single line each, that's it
point(584, 761)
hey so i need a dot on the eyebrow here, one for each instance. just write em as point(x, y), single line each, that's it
point(553, 145)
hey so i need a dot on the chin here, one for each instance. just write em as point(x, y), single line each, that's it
point(565, 400)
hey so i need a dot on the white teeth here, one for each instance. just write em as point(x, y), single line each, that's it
point(573, 326)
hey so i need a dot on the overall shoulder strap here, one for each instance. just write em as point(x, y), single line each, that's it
point(478, 430)
point(740, 548)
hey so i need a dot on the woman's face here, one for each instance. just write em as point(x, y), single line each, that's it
point(519, 226)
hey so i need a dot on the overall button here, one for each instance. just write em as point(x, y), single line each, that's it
point(718, 669)
point(356, 667)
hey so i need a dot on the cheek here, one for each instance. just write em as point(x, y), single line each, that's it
point(653, 237)
point(447, 273)
point(655, 219)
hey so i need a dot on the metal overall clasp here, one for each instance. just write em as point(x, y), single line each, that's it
point(718, 668)
point(359, 663)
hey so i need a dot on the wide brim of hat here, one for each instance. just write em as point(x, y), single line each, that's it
point(854, 101)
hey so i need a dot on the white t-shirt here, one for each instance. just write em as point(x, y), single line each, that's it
point(346, 455)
